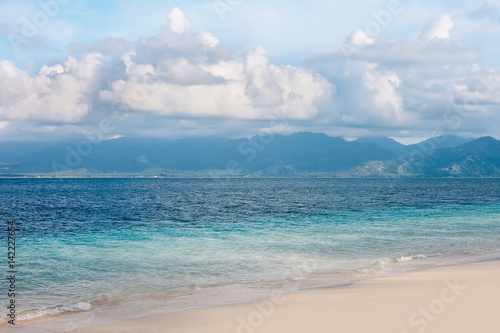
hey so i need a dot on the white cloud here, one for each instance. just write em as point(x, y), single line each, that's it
point(383, 87)
point(439, 28)
point(419, 84)
point(370, 96)
point(177, 21)
point(177, 74)
point(58, 93)
point(188, 83)
point(360, 38)
point(184, 74)
point(208, 39)
point(242, 88)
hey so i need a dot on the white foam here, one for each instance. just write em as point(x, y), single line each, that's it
point(380, 265)
point(32, 314)
point(408, 258)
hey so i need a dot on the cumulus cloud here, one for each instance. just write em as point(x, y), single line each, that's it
point(240, 87)
point(439, 28)
point(177, 21)
point(434, 47)
point(177, 74)
point(188, 83)
point(370, 95)
point(180, 73)
point(360, 38)
point(208, 39)
point(58, 93)
point(422, 84)
point(382, 87)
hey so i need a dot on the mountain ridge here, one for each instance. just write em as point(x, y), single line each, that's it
point(297, 154)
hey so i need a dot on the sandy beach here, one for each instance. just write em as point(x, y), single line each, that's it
point(459, 298)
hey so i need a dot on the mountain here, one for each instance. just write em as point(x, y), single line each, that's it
point(260, 155)
point(444, 141)
point(111, 156)
point(478, 158)
point(307, 152)
point(387, 144)
point(299, 154)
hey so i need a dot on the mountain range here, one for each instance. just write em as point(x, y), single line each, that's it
point(300, 154)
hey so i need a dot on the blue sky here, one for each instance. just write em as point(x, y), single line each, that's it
point(405, 69)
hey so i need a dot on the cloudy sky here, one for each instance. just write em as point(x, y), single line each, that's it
point(404, 69)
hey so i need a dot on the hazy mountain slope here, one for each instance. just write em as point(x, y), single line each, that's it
point(480, 157)
point(446, 141)
point(276, 155)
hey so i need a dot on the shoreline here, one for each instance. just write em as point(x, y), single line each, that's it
point(378, 300)
point(83, 320)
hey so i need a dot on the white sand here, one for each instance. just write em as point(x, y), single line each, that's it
point(453, 299)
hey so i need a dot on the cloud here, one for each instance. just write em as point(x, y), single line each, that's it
point(59, 93)
point(241, 87)
point(182, 82)
point(178, 74)
point(360, 38)
point(183, 74)
point(208, 39)
point(438, 28)
point(419, 84)
point(434, 47)
point(177, 21)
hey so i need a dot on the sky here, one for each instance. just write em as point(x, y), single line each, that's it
point(237, 68)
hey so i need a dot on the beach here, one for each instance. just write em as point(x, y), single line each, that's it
point(457, 298)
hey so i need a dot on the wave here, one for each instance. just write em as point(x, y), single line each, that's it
point(406, 258)
point(33, 314)
point(380, 265)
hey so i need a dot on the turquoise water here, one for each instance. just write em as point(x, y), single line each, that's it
point(94, 250)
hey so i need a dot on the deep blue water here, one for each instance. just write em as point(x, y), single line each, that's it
point(87, 244)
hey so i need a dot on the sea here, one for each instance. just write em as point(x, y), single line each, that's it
point(91, 251)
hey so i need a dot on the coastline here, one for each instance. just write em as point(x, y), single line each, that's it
point(460, 297)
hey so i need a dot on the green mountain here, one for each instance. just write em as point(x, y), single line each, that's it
point(479, 158)
point(444, 141)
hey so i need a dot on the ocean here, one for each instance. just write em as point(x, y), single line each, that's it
point(90, 251)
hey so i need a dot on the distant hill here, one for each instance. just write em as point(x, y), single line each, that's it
point(387, 144)
point(445, 141)
point(306, 152)
point(479, 158)
point(299, 154)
